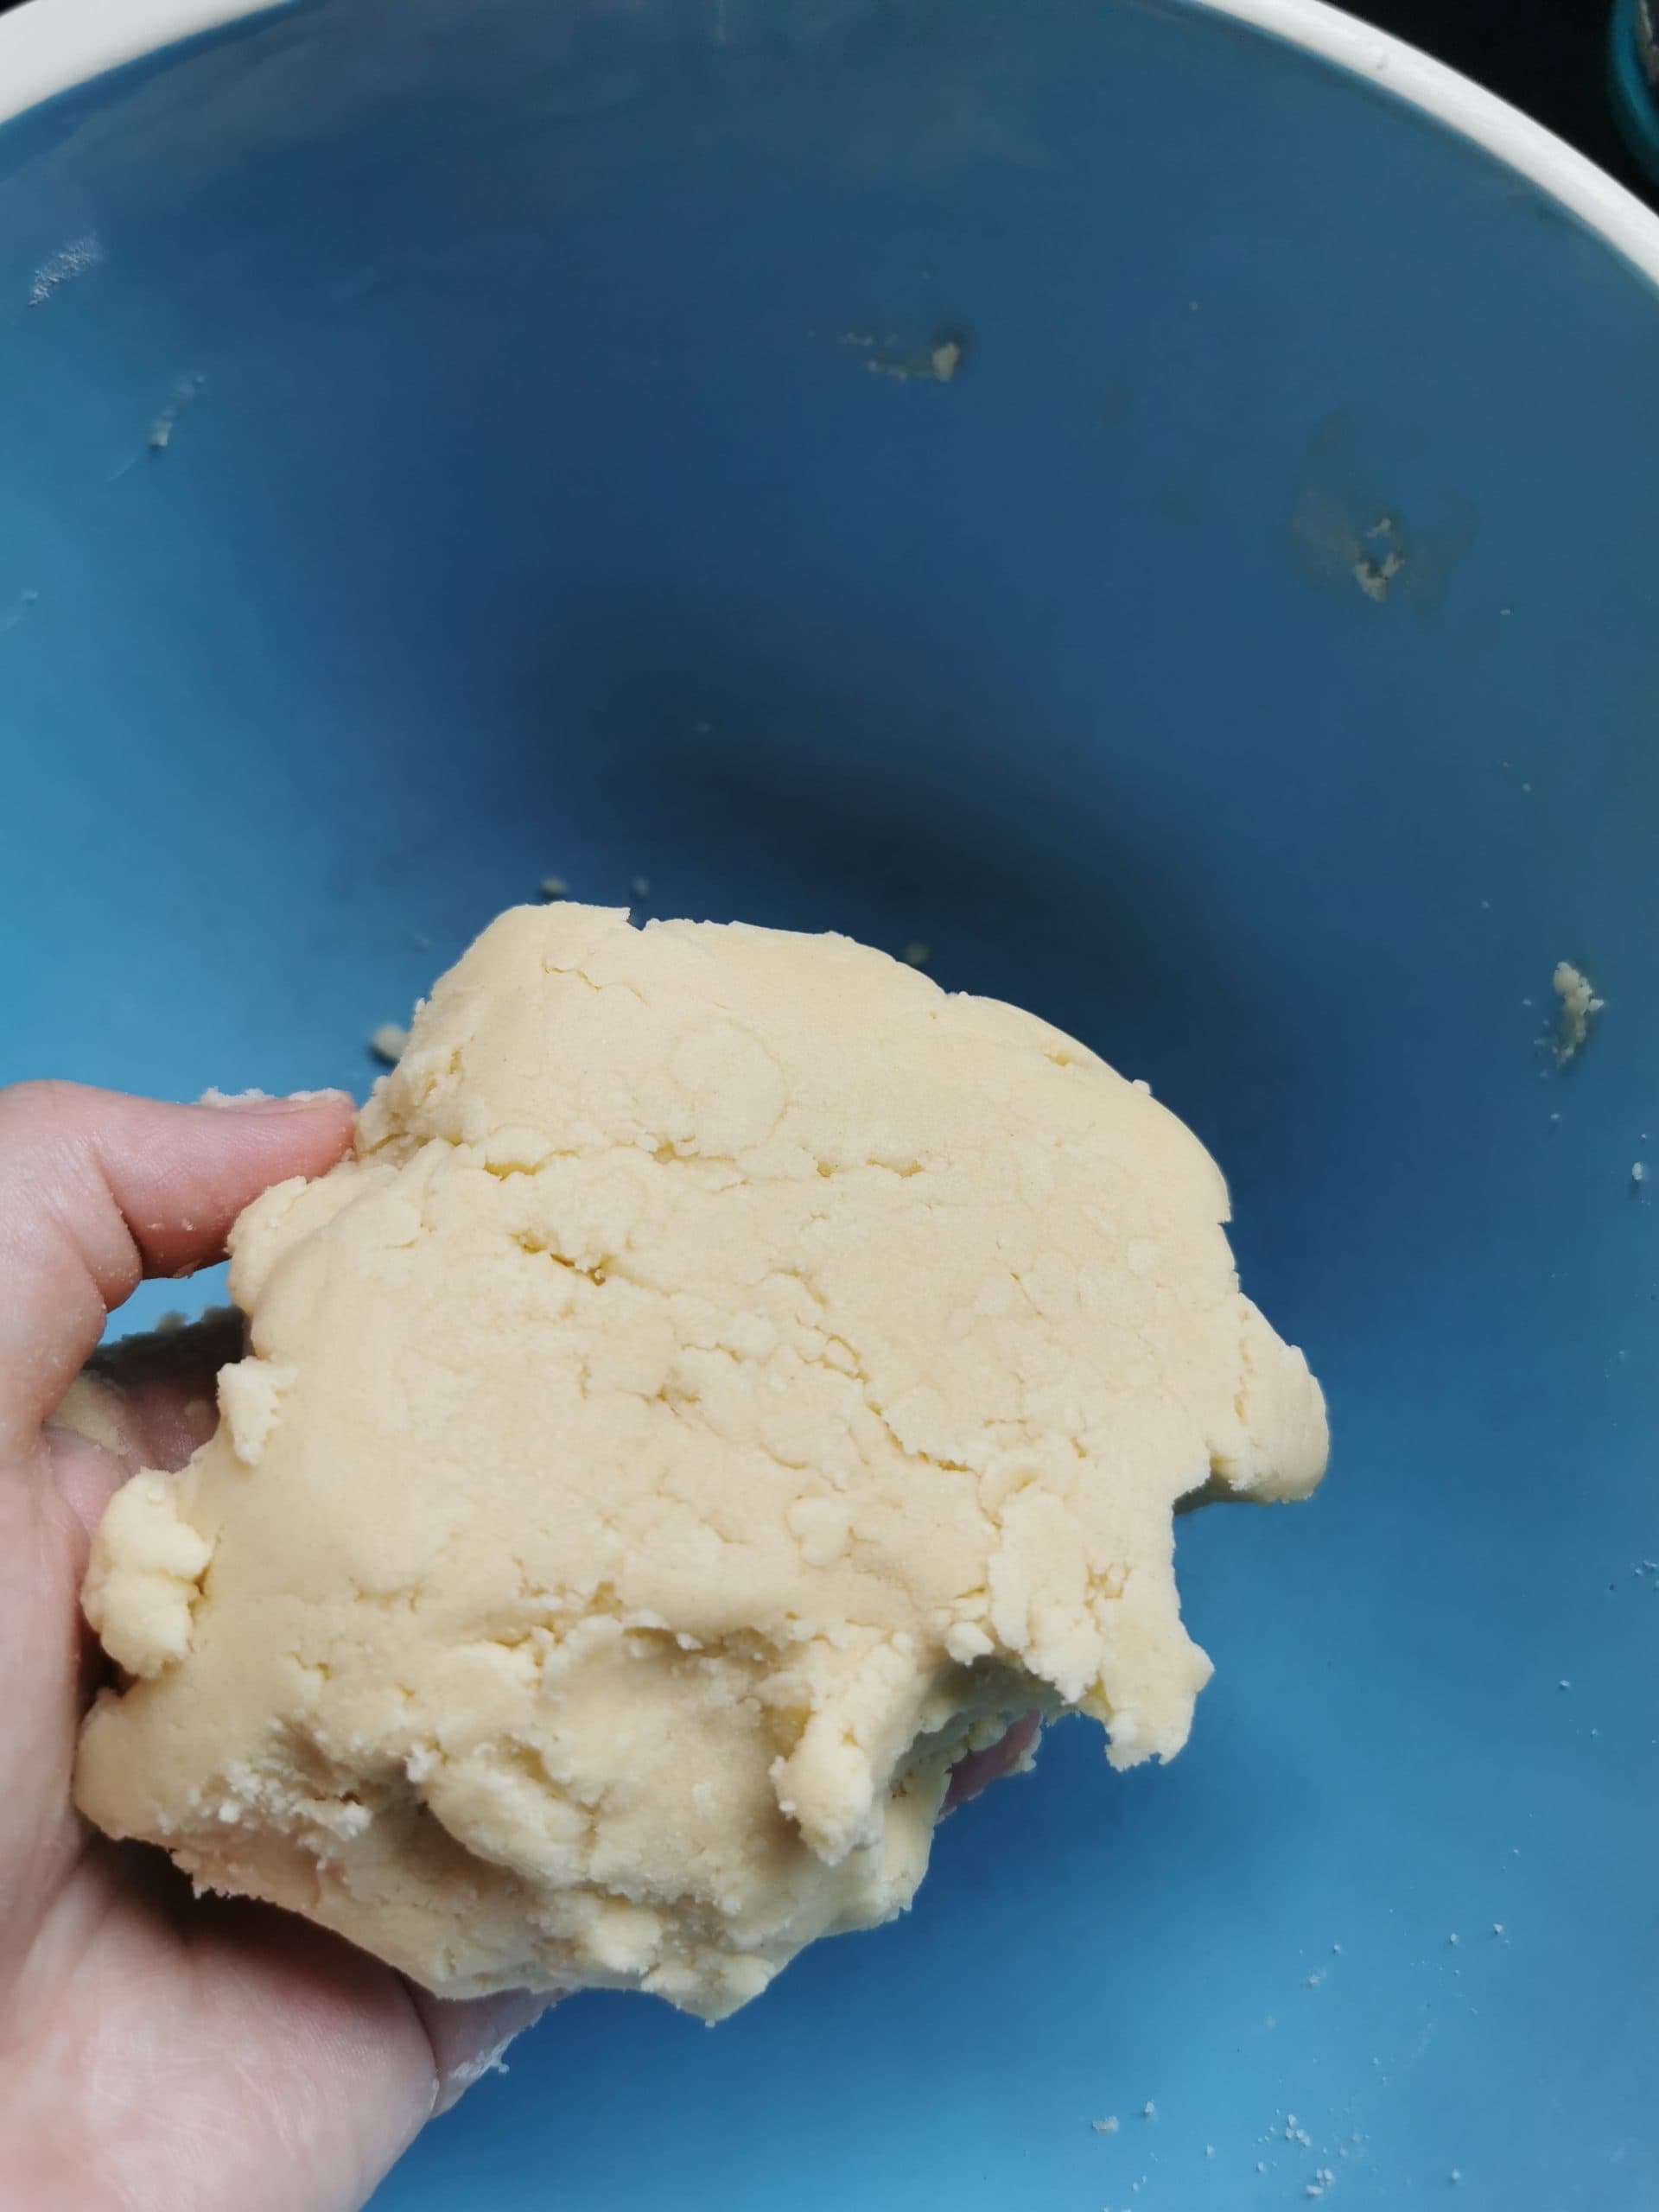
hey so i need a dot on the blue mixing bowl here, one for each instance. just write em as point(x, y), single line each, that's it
point(439, 450)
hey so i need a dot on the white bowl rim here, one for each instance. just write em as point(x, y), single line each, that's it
point(48, 46)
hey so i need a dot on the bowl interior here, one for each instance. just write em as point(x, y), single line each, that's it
point(442, 447)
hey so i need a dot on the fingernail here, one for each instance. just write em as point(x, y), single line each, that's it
point(471, 2071)
point(478, 2044)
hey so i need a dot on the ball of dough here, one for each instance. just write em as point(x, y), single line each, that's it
point(728, 1379)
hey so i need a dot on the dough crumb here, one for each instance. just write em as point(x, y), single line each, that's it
point(1579, 1006)
point(1376, 575)
point(554, 888)
point(1108, 2126)
point(729, 1382)
point(939, 365)
point(389, 1042)
point(1373, 579)
point(162, 425)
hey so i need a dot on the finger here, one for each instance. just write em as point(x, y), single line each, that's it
point(144, 1401)
point(143, 1394)
point(98, 1190)
point(979, 1768)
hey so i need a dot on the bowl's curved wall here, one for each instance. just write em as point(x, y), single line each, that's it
point(441, 450)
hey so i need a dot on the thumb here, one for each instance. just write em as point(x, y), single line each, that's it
point(98, 1190)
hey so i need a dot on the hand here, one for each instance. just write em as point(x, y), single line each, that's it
point(158, 2053)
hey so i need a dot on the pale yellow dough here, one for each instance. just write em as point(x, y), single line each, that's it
point(729, 1377)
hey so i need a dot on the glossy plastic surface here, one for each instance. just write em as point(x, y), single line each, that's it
point(440, 449)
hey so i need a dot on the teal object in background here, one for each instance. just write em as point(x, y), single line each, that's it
point(439, 450)
point(1634, 60)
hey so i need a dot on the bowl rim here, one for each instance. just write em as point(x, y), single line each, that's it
point(1598, 200)
point(47, 47)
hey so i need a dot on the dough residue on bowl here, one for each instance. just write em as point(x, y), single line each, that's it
point(1579, 1006)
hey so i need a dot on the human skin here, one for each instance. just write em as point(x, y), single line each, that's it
point(160, 2052)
